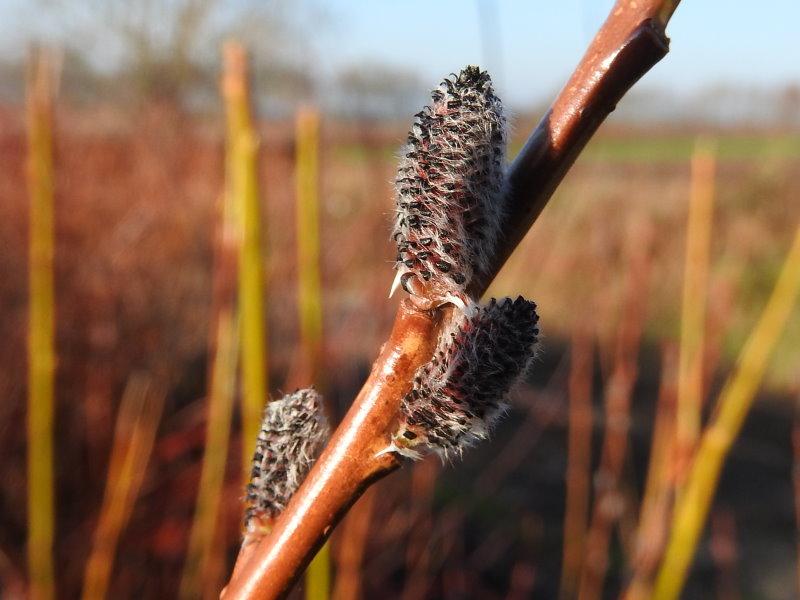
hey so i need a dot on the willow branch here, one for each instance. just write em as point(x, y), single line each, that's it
point(630, 43)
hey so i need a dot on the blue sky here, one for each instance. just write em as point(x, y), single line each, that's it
point(746, 44)
point(751, 44)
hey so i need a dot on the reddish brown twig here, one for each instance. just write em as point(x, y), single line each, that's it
point(609, 501)
point(423, 483)
point(651, 535)
point(725, 553)
point(579, 461)
point(355, 530)
point(630, 42)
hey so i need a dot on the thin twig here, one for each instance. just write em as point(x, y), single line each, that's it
point(423, 483)
point(309, 292)
point(135, 431)
point(223, 344)
point(579, 460)
point(693, 319)
point(609, 501)
point(630, 42)
point(656, 502)
point(353, 542)
point(41, 326)
point(733, 406)
point(241, 187)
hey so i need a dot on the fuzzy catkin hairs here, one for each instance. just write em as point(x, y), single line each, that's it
point(294, 431)
point(449, 189)
point(460, 393)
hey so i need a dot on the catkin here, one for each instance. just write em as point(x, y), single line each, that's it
point(293, 432)
point(449, 189)
point(456, 397)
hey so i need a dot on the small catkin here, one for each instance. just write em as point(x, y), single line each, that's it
point(459, 394)
point(449, 188)
point(294, 431)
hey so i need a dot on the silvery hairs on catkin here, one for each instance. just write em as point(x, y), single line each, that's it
point(456, 397)
point(450, 184)
point(294, 431)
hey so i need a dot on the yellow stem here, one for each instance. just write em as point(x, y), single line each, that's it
point(134, 434)
point(220, 407)
point(693, 319)
point(734, 403)
point(242, 186)
point(309, 293)
point(41, 331)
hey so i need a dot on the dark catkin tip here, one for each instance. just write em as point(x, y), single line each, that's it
point(442, 266)
point(449, 187)
point(459, 394)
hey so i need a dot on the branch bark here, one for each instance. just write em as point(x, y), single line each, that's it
point(630, 43)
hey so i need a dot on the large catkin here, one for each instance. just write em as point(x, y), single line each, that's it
point(293, 433)
point(459, 394)
point(449, 188)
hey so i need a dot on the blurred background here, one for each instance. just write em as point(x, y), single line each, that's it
point(162, 231)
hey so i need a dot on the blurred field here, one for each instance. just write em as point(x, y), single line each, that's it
point(135, 209)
